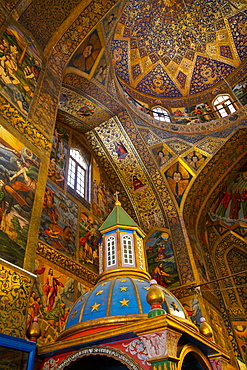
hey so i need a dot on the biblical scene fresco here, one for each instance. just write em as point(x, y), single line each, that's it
point(87, 54)
point(240, 329)
point(19, 68)
point(178, 178)
point(162, 155)
point(240, 90)
point(82, 108)
point(161, 261)
point(192, 115)
point(102, 195)
point(51, 300)
point(19, 169)
point(88, 241)
point(231, 204)
point(59, 221)
point(59, 153)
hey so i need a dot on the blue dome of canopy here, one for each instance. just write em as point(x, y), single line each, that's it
point(119, 297)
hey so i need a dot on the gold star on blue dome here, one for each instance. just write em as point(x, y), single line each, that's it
point(99, 292)
point(95, 307)
point(123, 288)
point(124, 302)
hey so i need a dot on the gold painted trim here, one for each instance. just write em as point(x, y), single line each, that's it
point(129, 324)
point(108, 309)
point(102, 322)
point(123, 271)
point(117, 226)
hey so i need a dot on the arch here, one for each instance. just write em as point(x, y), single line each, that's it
point(224, 105)
point(191, 353)
point(111, 251)
point(78, 172)
point(99, 351)
point(161, 114)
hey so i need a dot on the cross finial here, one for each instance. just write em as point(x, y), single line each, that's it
point(117, 203)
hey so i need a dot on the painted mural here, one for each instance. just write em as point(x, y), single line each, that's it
point(87, 53)
point(82, 108)
point(129, 166)
point(52, 297)
point(240, 90)
point(161, 261)
point(231, 204)
point(178, 178)
point(20, 65)
point(192, 115)
point(59, 221)
point(89, 238)
point(19, 169)
point(110, 20)
point(102, 194)
point(101, 72)
point(240, 329)
point(193, 310)
point(162, 155)
point(195, 159)
point(59, 153)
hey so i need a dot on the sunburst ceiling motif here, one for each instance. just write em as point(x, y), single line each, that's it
point(169, 49)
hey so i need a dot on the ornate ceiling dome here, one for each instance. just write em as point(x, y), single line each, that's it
point(166, 49)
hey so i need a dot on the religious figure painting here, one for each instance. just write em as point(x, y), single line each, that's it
point(19, 169)
point(20, 66)
point(51, 300)
point(101, 72)
point(178, 178)
point(102, 195)
point(59, 153)
point(231, 203)
point(89, 238)
point(110, 20)
point(59, 221)
point(240, 90)
point(87, 53)
point(195, 159)
point(161, 261)
point(195, 114)
point(161, 155)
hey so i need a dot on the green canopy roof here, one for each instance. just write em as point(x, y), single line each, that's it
point(118, 216)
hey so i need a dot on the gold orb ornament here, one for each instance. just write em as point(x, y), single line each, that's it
point(205, 328)
point(155, 295)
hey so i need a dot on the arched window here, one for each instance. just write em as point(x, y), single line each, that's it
point(128, 258)
point(161, 114)
point(111, 251)
point(77, 172)
point(223, 105)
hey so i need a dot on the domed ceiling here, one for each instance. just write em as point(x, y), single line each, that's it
point(166, 49)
